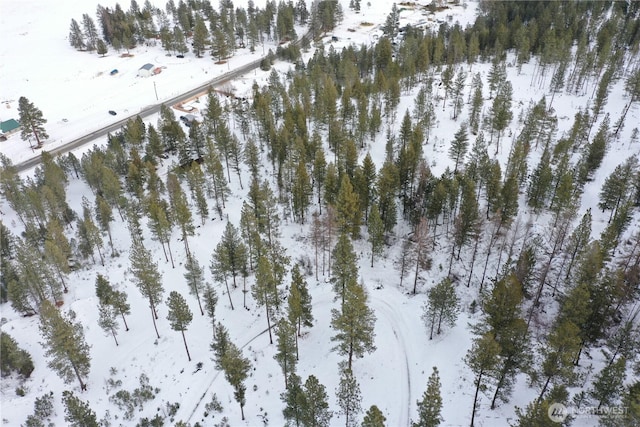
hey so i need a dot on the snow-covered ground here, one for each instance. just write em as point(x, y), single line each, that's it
point(77, 87)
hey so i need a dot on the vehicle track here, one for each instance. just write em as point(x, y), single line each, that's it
point(382, 306)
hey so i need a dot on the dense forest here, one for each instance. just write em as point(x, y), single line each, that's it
point(507, 227)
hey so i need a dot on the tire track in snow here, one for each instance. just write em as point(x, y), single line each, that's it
point(204, 394)
point(384, 307)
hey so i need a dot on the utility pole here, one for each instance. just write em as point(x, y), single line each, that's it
point(155, 90)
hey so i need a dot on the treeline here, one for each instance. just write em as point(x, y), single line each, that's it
point(220, 32)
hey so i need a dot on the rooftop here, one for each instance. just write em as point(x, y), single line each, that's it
point(146, 67)
point(9, 125)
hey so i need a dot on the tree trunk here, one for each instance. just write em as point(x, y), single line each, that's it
point(114, 337)
point(226, 284)
point(83, 386)
point(170, 254)
point(266, 304)
point(185, 346)
point(242, 411)
point(475, 398)
point(503, 375)
point(546, 384)
point(153, 317)
point(126, 327)
point(473, 259)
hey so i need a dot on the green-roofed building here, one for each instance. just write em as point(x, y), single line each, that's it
point(9, 127)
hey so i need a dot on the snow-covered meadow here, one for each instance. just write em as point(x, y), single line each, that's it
point(74, 90)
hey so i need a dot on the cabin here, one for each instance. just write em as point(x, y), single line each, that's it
point(146, 70)
point(8, 128)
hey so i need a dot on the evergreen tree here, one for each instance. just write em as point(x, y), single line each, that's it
point(482, 358)
point(608, 385)
point(147, 278)
point(107, 320)
point(200, 37)
point(476, 103)
point(354, 323)
point(430, 407)
point(76, 38)
point(536, 414)
point(349, 397)
point(194, 275)
point(179, 316)
point(107, 295)
point(286, 350)
point(345, 267)
point(31, 122)
point(316, 412)
point(229, 257)
point(180, 210)
point(459, 146)
point(295, 400)
point(101, 48)
point(90, 31)
point(376, 232)
point(299, 303)
point(348, 208)
point(442, 305)
point(563, 343)
point(301, 191)
point(228, 358)
point(77, 412)
point(64, 343)
point(210, 298)
point(14, 358)
point(373, 418)
point(264, 291)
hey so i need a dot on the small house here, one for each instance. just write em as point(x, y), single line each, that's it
point(8, 128)
point(146, 70)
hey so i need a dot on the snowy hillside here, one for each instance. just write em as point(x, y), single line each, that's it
point(75, 91)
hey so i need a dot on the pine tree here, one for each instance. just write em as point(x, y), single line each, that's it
point(373, 418)
point(536, 414)
point(64, 343)
point(476, 103)
point(264, 291)
point(376, 232)
point(229, 258)
point(181, 212)
point(354, 324)
point(31, 122)
point(160, 224)
point(57, 250)
point(459, 146)
point(299, 303)
point(563, 343)
point(430, 407)
point(316, 412)
point(301, 191)
point(197, 185)
point(229, 359)
point(482, 358)
point(295, 400)
point(107, 295)
point(286, 348)
point(345, 267)
point(76, 38)
point(348, 208)
point(609, 383)
point(107, 320)
point(200, 37)
point(349, 397)
point(77, 412)
point(147, 278)
point(210, 298)
point(101, 48)
point(442, 306)
point(90, 31)
point(503, 318)
point(179, 316)
point(194, 275)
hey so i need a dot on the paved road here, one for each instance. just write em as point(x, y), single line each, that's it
point(152, 109)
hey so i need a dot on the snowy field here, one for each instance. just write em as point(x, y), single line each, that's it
point(74, 90)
